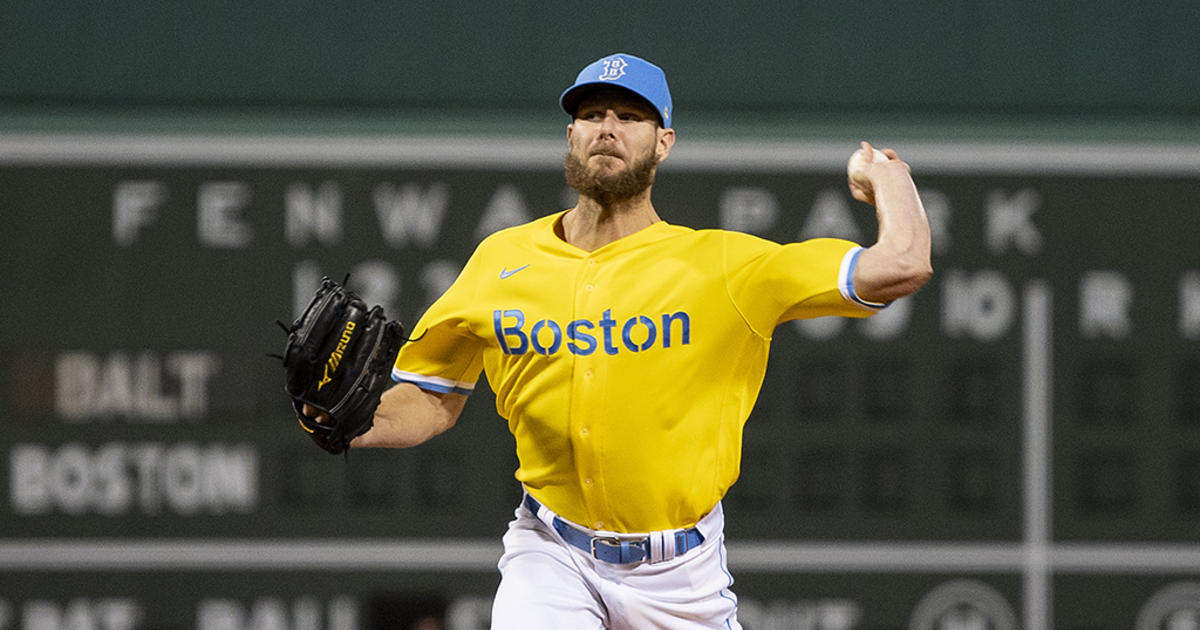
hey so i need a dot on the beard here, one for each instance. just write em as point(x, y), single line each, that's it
point(608, 188)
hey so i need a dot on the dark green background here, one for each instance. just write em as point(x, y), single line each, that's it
point(1107, 68)
point(913, 439)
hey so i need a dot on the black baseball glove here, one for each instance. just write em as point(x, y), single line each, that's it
point(338, 360)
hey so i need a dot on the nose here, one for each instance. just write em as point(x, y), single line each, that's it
point(609, 123)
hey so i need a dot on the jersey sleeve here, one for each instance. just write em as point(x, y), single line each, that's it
point(444, 356)
point(772, 283)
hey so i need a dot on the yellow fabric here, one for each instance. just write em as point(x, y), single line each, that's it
point(625, 374)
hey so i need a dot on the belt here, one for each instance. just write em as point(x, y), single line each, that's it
point(620, 548)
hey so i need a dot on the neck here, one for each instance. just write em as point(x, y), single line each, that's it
point(591, 225)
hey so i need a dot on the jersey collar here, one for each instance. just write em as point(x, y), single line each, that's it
point(546, 237)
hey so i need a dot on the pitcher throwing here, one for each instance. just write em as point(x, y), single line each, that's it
point(626, 354)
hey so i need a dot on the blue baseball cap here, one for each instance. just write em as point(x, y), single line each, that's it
point(624, 71)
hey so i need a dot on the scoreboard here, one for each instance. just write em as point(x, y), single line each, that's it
point(1015, 446)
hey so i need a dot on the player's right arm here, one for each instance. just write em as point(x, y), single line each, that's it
point(408, 416)
point(899, 262)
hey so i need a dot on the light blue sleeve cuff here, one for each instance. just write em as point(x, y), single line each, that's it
point(846, 280)
point(433, 383)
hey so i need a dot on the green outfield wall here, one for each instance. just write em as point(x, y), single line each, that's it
point(1015, 446)
point(1100, 68)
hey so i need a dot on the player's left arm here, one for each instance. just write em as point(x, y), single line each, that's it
point(408, 416)
point(899, 262)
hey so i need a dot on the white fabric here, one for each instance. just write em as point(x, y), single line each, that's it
point(662, 546)
point(547, 584)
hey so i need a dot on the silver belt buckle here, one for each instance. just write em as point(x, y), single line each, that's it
point(613, 541)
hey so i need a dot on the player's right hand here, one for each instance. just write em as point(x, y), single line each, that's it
point(862, 171)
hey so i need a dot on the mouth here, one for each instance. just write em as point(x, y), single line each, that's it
point(607, 159)
point(605, 149)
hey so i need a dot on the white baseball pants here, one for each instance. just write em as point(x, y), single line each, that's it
point(547, 584)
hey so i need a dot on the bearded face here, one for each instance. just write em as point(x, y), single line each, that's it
point(608, 179)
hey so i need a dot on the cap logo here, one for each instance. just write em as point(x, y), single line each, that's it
point(613, 69)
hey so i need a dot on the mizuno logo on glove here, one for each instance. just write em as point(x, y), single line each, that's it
point(335, 357)
point(338, 363)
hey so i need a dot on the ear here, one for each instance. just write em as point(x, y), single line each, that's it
point(666, 140)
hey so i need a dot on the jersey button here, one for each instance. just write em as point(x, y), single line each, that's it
point(589, 286)
point(598, 525)
point(588, 372)
point(583, 432)
point(588, 482)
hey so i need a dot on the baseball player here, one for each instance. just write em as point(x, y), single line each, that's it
point(626, 354)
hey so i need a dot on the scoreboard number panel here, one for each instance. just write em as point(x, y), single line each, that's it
point(1017, 445)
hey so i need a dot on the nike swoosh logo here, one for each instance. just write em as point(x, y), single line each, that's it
point(504, 273)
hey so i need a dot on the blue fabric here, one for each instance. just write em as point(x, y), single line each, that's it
point(613, 550)
point(624, 71)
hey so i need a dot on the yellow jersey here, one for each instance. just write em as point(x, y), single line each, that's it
point(626, 374)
